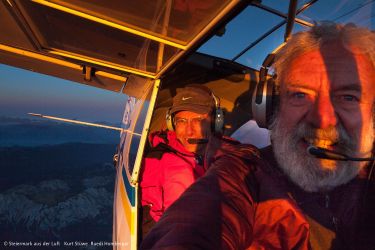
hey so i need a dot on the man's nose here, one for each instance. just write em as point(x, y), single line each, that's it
point(323, 115)
point(189, 128)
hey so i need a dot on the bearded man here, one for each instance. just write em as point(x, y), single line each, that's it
point(284, 197)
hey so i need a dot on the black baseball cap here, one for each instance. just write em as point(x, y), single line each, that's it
point(195, 98)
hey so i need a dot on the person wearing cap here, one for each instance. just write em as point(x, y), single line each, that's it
point(175, 161)
point(191, 115)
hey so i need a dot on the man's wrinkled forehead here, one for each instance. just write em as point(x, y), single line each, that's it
point(332, 62)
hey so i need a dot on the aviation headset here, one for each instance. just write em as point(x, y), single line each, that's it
point(264, 99)
point(218, 115)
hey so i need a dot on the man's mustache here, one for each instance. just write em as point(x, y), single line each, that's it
point(331, 133)
point(336, 134)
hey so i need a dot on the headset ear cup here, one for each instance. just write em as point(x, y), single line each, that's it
point(258, 105)
point(265, 100)
point(262, 106)
point(219, 120)
point(270, 101)
point(168, 120)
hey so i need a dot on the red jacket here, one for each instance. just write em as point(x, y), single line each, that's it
point(244, 202)
point(167, 171)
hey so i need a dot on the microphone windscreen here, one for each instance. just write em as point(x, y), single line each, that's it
point(323, 153)
point(326, 154)
point(197, 141)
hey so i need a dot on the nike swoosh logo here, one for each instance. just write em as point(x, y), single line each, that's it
point(186, 98)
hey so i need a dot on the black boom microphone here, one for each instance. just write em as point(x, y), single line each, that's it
point(197, 141)
point(323, 153)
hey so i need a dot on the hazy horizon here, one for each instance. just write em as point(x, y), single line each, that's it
point(24, 91)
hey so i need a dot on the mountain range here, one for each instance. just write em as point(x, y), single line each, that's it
point(56, 182)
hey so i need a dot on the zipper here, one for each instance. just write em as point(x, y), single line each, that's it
point(327, 201)
point(335, 222)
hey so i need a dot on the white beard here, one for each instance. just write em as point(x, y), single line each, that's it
point(308, 172)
